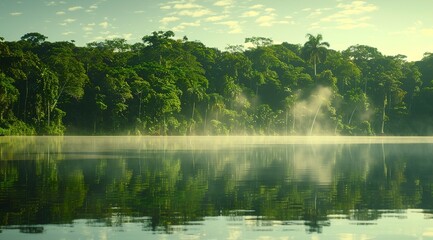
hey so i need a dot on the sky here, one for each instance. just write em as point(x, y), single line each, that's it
point(392, 26)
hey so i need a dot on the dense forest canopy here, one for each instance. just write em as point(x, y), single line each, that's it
point(168, 86)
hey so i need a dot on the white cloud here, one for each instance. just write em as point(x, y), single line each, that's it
point(54, 3)
point(416, 29)
point(16, 13)
point(266, 21)
point(186, 6)
point(195, 13)
point(69, 20)
point(112, 36)
point(234, 26)
point(60, 13)
point(127, 36)
point(75, 8)
point(88, 27)
point(184, 25)
point(166, 7)
point(139, 12)
point(257, 6)
point(223, 3)
point(67, 33)
point(167, 20)
point(216, 18)
point(92, 8)
point(104, 25)
point(250, 14)
point(348, 16)
point(356, 7)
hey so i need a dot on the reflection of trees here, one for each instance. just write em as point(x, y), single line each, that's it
point(275, 182)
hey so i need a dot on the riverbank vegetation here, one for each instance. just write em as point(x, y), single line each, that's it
point(168, 86)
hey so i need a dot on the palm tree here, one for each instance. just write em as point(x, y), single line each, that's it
point(314, 50)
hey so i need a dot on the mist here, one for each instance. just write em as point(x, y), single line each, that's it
point(313, 116)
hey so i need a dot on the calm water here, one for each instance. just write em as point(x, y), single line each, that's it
point(216, 188)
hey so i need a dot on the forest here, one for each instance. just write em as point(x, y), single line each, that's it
point(169, 86)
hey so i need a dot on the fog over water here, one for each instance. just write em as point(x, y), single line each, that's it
point(238, 187)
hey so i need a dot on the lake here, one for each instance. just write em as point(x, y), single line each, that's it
point(216, 188)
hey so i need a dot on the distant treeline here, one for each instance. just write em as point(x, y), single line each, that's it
point(167, 86)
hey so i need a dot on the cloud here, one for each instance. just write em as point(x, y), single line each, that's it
point(92, 8)
point(60, 13)
point(270, 19)
point(356, 8)
point(348, 16)
point(75, 8)
point(16, 13)
point(167, 20)
point(257, 6)
point(416, 29)
point(216, 18)
point(270, 10)
point(139, 12)
point(250, 14)
point(234, 26)
point(266, 21)
point(54, 3)
point(67, 33)
point(104, 25)
point(166, 7)
point(184, 25)
point(127, 36)
point(186, 6)
point(195, 13)
point(69, 20)
point(88, 27)
point(223, 3)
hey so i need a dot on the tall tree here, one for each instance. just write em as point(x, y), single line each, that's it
point(315, 50)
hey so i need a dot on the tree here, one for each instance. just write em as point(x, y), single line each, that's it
point(259, 41)
point(8, 96)
point(315, 50)
point(34, 38)
point(385, 89)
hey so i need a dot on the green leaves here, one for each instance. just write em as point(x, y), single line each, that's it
point(176, 86)
point(315, 50)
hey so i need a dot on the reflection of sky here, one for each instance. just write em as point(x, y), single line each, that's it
point(410, 224)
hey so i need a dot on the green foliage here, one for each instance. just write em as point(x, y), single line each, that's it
point(175, 86)
point(314, 50)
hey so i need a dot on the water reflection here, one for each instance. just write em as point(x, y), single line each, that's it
point(167, 185)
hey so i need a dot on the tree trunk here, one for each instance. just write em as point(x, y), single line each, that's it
point(294, 120)
point(351, 115)
point(139, 107)
point(192, 118)
point(383, 115)
point(25, 101)
point(314, 119)
point(315, 67)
